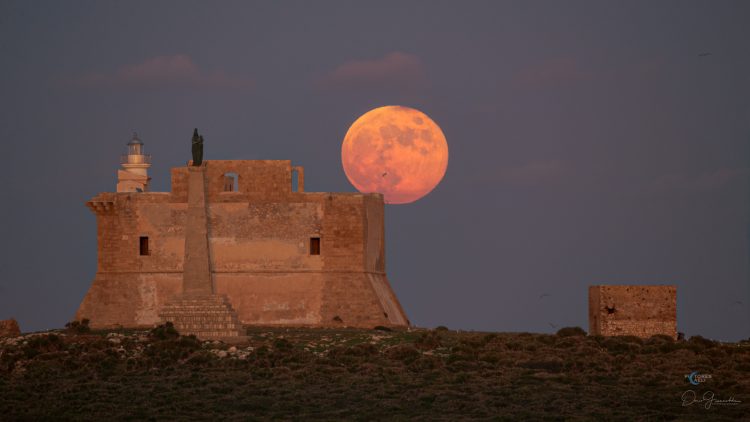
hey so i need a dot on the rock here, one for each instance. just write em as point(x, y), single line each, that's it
point(222, 353)
point(9, 328)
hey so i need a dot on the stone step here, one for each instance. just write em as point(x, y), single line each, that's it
point(197, 306)
point(205, 316)
point(202, 321)
point(194, 309)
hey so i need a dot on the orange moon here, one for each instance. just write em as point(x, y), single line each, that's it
point(397, 151)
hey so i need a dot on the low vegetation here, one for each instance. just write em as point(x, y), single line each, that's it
point(383, 374)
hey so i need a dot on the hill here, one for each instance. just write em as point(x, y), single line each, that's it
point(347, 374)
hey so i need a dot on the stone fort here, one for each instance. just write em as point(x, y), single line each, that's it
point(240, 239)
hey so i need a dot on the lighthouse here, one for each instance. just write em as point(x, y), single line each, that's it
point(133, 177)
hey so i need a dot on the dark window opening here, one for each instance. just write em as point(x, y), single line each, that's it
point(144, 245)
point(230, 182)
point(314, 246)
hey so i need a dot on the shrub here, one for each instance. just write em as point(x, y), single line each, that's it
point(282, 344)
point(487, 339)
point(702, 342)
point(630, 339)
point(78, 327)
point(170, 350)
point(43, 344)
point(164, 332)
point(659, 339)
point(441, 328)
point(200, 357)
point(428, 340)
point(382, 328)
point(546, 339)
point(552, 366)
point(403, 352)
point(620, 344)
point(362, 349)
point(425, 363)
point(671, 347)
point(571, 331)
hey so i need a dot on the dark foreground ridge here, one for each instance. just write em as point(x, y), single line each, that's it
point(341, 374)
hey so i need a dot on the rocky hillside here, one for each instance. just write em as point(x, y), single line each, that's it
point(310, 374)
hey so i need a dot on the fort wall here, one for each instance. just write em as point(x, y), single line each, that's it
point(260, 249)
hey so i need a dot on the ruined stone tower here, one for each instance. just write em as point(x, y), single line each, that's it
point(273, 254)
point(636, 310)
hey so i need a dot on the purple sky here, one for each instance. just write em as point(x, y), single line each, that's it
point(591, 142)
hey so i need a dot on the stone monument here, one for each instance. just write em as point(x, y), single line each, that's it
point(198, 309)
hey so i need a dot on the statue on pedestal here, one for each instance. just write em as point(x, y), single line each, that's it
point(197, 148)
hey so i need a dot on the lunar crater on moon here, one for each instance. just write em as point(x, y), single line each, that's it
point(397, 151)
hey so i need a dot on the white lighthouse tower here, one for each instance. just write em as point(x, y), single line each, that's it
point(133, 177)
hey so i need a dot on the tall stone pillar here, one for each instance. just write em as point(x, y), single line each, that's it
point(196, 278)
point(198, 310)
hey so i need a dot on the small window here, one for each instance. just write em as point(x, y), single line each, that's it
point(314, 246)
point(144, 245)
point(230, 182)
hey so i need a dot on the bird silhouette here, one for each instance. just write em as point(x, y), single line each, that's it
point(552, 325)
point(706, 54)
point(385, 174)
point(544, 295)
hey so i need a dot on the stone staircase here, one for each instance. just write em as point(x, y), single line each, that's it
point(207, 316)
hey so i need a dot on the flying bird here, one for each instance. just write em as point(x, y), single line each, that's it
point(552, 325)
point(704, 54)
point(385, 174)
point(544, 295)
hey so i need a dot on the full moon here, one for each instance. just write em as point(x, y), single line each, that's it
point(397, 151)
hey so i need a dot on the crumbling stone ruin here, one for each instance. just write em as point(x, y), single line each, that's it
point(636, 310)
point(9, 328)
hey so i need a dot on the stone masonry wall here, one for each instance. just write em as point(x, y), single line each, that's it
point(259, 246)
point(636, 310)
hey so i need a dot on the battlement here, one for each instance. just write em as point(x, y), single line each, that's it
point(257, 179)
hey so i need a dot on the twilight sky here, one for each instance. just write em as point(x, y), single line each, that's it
point(590, 142)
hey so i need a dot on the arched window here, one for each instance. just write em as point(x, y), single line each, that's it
point(230, 182)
